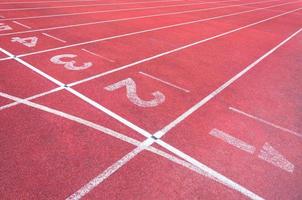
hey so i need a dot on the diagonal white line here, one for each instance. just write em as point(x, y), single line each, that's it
point(114, 10)
point(63, 1)
point(179, 48)
point(103, 130)
point(265, 122)
point(218, 176)
point(165, 82)
point(146, 16)
point(202, 102)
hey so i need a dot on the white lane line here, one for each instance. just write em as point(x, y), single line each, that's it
point(108, 112)
point(233, 141)
point(264, 121)
point(179, 49)
point(209, 97)
point(33, 68)
point(102, 129)
point(150, 16)
point(53, 37)
point(129, 156)
point(272, 156)
point(33, 2)
point(81, 96)
point(148, 30)
point(112, 10)
point(165, 82)
point(6, 58)
point(105, 4)
point(214, 175)
point(109, 171)
point(19, 101)
point(80, 5)
point(23, 25)
point(98, 55)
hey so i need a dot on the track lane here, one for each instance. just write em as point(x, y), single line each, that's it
point(134, 25)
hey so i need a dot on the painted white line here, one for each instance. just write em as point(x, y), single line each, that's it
point(265, 122)
point(109, 171)
point(23, 25)
point(233, 141)
point(211, 173)
point(221, 178)
point(150, 16)
point(105, 4)
point(73, 118)
point(271, 155)
point(53, 37)
point(81, 96)
point(165, 82)
point(179, 49)
point(112, 10)
point(102, 129)
point(112, 169)
point(98, 55)
point(101, 177)
point(33, 68)
point(109, 112)
point(209, 97)
point(150, 30)
point(6, 58)
point(19, 101)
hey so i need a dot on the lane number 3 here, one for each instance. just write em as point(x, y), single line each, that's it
point(70, 65)
point(130, 85)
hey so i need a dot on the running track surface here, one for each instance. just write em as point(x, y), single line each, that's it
point(158, 99)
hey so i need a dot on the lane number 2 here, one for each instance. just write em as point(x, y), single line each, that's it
point(130, 85)
point(70, 65)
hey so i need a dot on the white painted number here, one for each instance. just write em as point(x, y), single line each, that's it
point(70, 65)
point(4, 27)
point(29, 41)
point(130, 85)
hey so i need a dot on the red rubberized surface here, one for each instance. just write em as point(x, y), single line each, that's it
point(191, 69)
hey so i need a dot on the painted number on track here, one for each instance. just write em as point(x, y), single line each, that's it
point(29, 41)
point(130, 85)
point(4, 27)
point(70, 65)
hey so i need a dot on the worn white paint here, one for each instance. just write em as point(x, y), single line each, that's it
point(130, 86)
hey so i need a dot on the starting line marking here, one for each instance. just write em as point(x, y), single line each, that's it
point(23, 25)
point(264, 121)
point(106, 131)
point(98, 55)
point(233, 141)
point(216, 176)
point(165, 82)
point(53, 37)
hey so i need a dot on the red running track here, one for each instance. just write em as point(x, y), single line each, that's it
point(150, 100)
